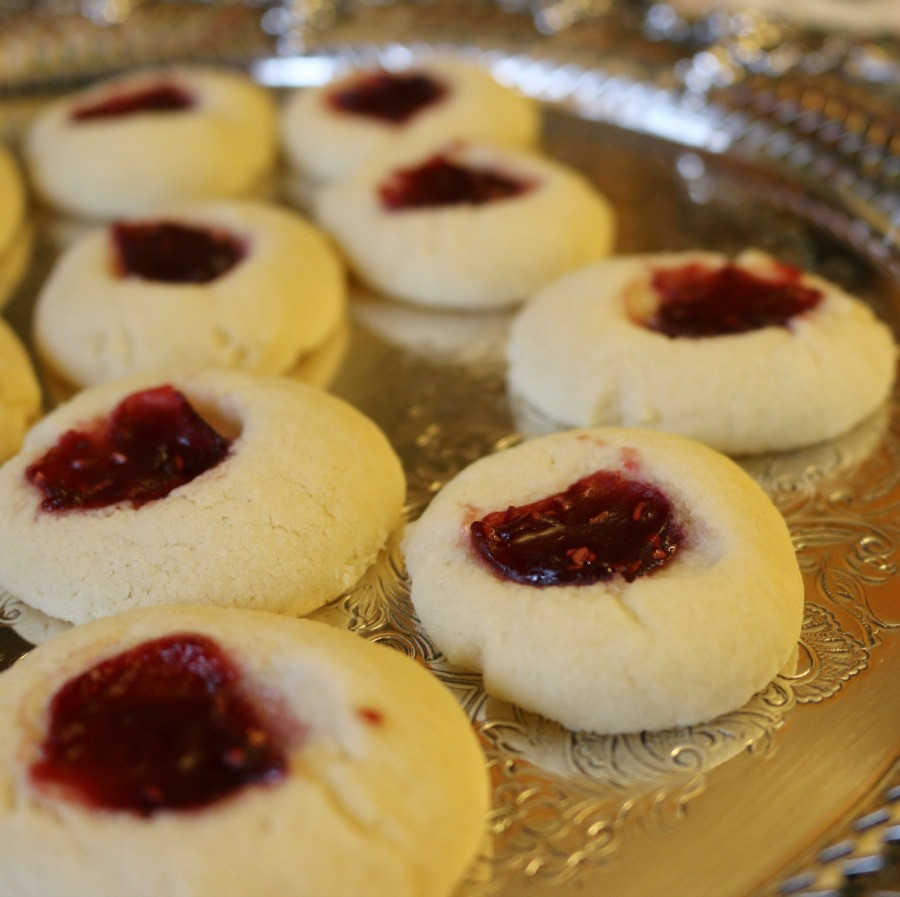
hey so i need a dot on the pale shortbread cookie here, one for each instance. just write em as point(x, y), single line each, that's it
point(466, 255)
point(577, 355)
point(680, 645)
point(20, 393)
point(221, 146)
point(289, 520)
point(327, 144)
point(15, 239)
point(284, 298)
point(385, 793)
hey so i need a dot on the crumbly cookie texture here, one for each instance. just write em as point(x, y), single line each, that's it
point(20, 393)
point(385, 793)
point(577, 355)
point(284, 298)
point(467, 255)
point(677, 646)
point(327, 144)
point(220, 146)
point(290, 519)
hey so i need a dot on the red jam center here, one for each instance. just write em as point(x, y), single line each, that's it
point(697, 301)
point(394, 98)
point(163, 725)
point(442, 182)
point(151, 443)
point(602, 526)
point(168, 252)
point(156, 98)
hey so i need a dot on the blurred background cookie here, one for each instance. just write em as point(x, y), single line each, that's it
point(465, 225)
point(329, 131)
point(152, 138)
point(15, 235)
point(20, 393)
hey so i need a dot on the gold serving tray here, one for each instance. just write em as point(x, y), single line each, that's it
point(799, 791)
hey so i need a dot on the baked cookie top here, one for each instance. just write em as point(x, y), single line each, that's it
point(464, 224)
point(611, 579)
point(20, 393)
point(329, 131)
point(746, 355)
point(232, 284)
point(148, 139)
point(315, 762)
point(12, 200)
point(206, 488)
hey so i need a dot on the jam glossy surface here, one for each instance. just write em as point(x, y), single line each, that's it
point(442, 182)
point(602, 526)
point(162, 726)
point(151, 443)
point(696, 300)
point(169, 252)
point(155, 98)
point(393, 98)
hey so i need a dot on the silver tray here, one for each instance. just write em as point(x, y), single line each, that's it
point(697, 146)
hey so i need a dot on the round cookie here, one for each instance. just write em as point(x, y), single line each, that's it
point(373, 782)
point(232, 284)
point(294, 493)
point(582, 353)
point(691, 619)
point(465, 225)
point(329, 131)
point(15, 242)
point(149, 139)
point(20, 393)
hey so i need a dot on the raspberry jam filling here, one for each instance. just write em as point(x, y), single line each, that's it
point(696, 300)
point(151, 443)
point(156, 98)
point(442, 182)
point(394, 98)
point(168, 252)
point(162, 726)
point(602, 526)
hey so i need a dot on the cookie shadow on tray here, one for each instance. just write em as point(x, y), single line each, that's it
point(441, 336)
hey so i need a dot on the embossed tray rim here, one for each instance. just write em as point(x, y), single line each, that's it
point(527, 72)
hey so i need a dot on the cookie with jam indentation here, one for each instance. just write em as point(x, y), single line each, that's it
point(316, 762)
point(610, 579)
point(205, 488)
point(746, 354)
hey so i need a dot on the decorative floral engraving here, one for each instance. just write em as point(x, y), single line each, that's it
point(12, 647)
point(830, 656)
point(10, 609)
point(561, 798)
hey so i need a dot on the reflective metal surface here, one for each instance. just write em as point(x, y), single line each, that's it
point(799, 791)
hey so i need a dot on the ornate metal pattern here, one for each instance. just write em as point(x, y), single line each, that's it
point(810, 126)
